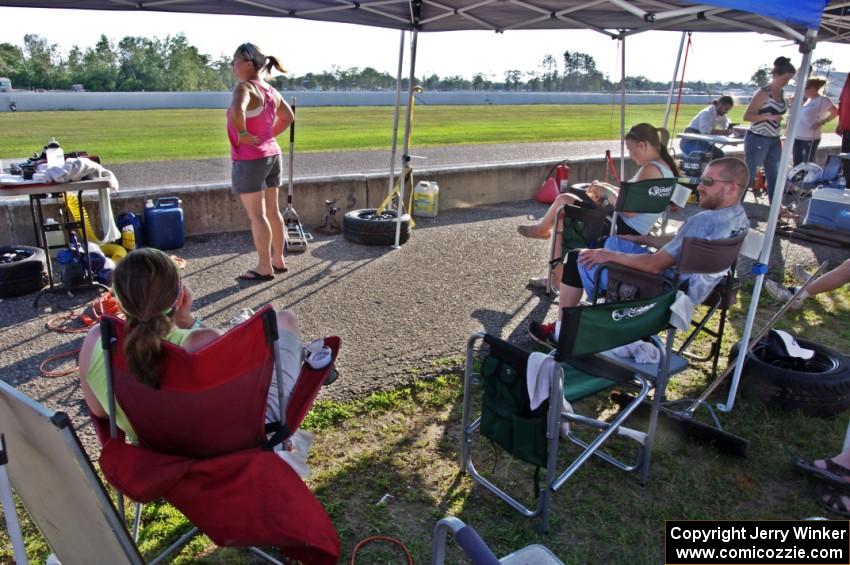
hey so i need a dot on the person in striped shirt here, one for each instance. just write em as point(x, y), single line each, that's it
point(762, 146)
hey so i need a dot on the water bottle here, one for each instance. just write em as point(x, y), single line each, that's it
point(54, 154)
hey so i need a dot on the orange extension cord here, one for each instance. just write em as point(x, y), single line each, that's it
point(372, 539)
point(62, 323)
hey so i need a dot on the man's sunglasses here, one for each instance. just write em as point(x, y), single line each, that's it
point(708, 181)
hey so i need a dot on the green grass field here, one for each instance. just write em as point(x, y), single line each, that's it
point(405, 443)
point(154, 135)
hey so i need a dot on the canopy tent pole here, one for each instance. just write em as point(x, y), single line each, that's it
point(395, 113)
point(405, 155)
point(622, 106)
point(760, 268)
point(673, 82)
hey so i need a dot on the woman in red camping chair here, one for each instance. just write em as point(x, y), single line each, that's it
point(197, 406)
point(158, 306)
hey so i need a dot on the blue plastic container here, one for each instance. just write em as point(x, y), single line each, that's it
point(164, 224)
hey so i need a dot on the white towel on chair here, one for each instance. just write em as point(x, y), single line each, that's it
point(540, 371)
point(640, 351)
point(681, 312)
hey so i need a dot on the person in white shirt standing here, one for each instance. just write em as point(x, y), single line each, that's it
point(712, 120)
point(816, 111)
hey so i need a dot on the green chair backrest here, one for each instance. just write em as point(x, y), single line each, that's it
point(600, 327)
point(646, 197)
point(583, 227)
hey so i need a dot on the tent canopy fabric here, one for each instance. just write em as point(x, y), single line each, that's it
point(784, 18)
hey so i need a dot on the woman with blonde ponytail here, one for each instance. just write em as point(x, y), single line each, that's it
point(256, 116)
point(158, 307)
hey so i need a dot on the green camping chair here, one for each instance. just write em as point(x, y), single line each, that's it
point(583, 226)
point(532, 436)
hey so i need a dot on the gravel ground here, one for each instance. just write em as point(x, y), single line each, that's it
point(395, 310)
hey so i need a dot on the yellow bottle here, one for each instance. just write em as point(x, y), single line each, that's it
point(128, 238)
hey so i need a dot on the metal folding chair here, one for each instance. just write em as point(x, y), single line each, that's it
point(588, 333)
point(204, 444)
point(702, 256)
point(476, 549)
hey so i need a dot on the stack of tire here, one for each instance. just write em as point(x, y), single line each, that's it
point(22, 270)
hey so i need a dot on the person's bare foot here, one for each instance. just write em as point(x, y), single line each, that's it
point(533, 231)
point(280, 270)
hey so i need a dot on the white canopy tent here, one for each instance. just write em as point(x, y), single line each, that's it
point(801, 21)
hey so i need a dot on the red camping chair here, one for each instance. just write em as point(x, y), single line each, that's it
point(203, 444)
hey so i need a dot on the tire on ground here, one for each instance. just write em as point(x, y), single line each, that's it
point(817, 387)
point(18, 287)
point(20, 262)
point(362, 226)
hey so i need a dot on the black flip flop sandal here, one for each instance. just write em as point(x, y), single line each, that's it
point(254, 276)
point(280, 270)
point(833, 473)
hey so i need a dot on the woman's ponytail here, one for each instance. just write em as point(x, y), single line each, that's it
point(143, 348)
point(664, 139)
point(273, 63)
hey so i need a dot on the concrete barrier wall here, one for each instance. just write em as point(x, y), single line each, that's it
point(42, 101)
point(213, 209)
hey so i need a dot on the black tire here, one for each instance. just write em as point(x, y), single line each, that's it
point(19, 262)
point(817, 387)
point(363, 226)
point(19, 287)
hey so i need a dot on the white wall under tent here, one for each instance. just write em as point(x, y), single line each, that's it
point(804, 22)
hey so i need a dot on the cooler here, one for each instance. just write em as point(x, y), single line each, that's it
point(829, 208)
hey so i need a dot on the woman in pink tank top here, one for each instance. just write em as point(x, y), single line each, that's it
point(256, 116)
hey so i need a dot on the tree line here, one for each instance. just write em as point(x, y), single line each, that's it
point(172, 64)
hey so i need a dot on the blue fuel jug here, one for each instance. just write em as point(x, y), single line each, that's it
point(164, 223)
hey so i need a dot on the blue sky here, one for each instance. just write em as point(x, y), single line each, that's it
point(313, 46)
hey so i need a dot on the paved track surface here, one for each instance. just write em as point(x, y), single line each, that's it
point(397, 311)
point(319, 164)
point(217, 171)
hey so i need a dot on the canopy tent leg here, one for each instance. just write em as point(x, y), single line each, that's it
point(395, 114)
point(622, 106)
point(405, 156)
point(760, 268)
point(673, 82)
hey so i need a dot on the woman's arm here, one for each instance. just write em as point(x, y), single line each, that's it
point(831, 113)
point(238, 107)
point(751, 114)
point(91, 341)
point(283, 118)
point(184, 319)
